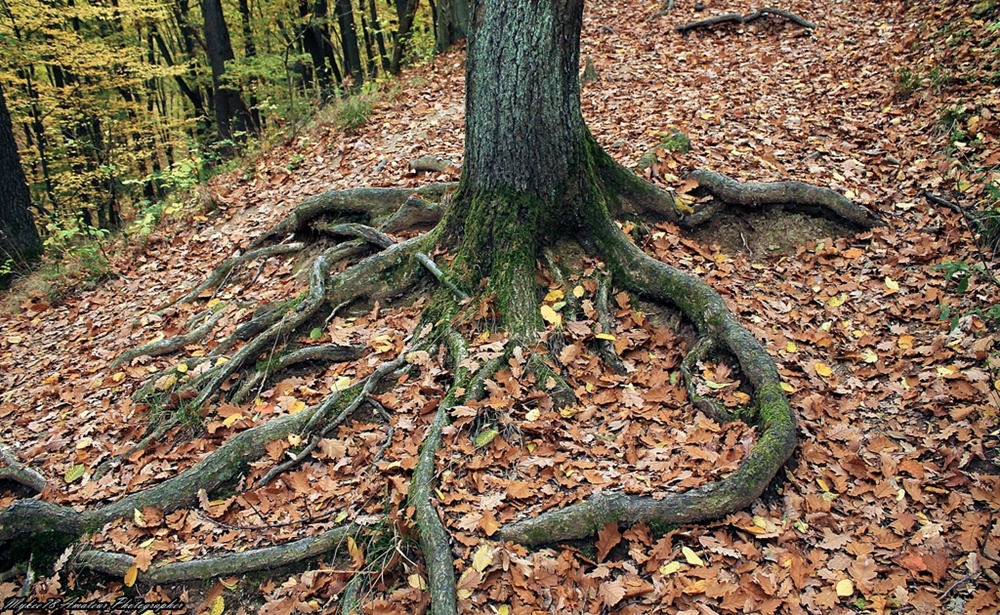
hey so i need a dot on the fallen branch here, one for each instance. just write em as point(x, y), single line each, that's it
point(737, 18)
point(434, 164)
point(665, 8)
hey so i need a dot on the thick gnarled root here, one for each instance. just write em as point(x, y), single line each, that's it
point(772, 413)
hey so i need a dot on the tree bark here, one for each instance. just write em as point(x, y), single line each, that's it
point(19, 241)
point(451, 23)
point(231, 114)
point(349, 38)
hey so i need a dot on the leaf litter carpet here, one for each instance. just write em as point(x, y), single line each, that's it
point(890, 502)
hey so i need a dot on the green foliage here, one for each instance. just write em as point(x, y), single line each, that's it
point(352, 112)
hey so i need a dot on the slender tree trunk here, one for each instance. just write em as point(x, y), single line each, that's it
point(314, 44)
point(250, 51)
point(349, 40)
point(369, 38)
point(231, 114)
point(406, 10)
point(19, 241)
point(451, 23)
point(379, 38)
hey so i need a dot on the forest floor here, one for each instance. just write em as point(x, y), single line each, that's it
point(891, 501)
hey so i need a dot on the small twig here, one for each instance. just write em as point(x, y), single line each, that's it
point(956, 585)
point(973, 226)
point(939, 200)
point(436, 271)
point(665, 8)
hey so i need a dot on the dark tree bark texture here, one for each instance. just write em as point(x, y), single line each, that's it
point(231, 113)
point(19, 241)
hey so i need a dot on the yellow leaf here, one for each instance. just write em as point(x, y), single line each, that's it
point(787, 388)
point(182, 368)
point(353, 550)
point(218, 606)
point(892, 285)
point(214, 302)
point(166, 383)
point(554, 295)
point(905, 342)
point(485, 437)
point(869, 356)
point(294, 439)
point(416, 581)
point(578, 291)
point(551, 316)
point(791, 347)
point(532, 415)
point(837, 301)
point(681, 205)
point(691, 557)
point(84, 443)
point(823, 369)
point(130, 576)
point(845, 588)
point(822, 484)
point(669, 568)
point(297, 406)
point(383, 343)
point(568, 412)
point(137, 517)
point(118, 377)
point(74, 472)
point(340, 516)
point(342, 383)
point(232, 418)
point(605, 336)
point(503, 610)
point(482, 558)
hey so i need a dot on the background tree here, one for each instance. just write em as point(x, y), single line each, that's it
point(20, 246)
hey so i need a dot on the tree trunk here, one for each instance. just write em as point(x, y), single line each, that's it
point(406, 10)
point(19, 241)
point(349, 38)
point(526, 148)
point(231, 114)
point(451, 23)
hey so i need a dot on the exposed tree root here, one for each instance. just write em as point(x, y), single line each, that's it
point(737, 18)
point(756, 194)
point(395, 270)
point(18, 472)
point(325, 353)
point(379, 206)
point(171, 344)
point(220, 273)
point(264, 558)
point(774, 417)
